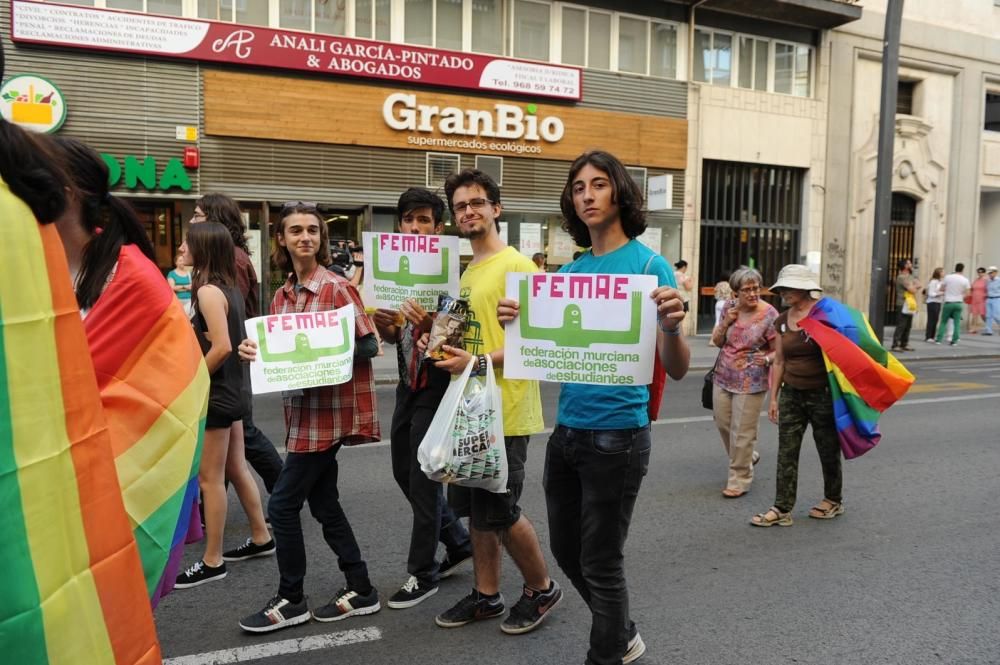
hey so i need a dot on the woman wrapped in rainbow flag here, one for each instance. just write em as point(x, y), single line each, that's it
point(831, 372)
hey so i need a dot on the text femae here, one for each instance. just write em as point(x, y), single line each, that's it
point(605, 287)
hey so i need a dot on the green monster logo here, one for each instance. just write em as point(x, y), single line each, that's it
point(403, 277)
point(572, 332)
point(303, 351)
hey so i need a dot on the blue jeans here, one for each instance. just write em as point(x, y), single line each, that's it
point(592, 479)
point(312, 476)
point(992, 313)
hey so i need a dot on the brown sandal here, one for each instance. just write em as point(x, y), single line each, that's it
point(834, 508)
point(780, 518)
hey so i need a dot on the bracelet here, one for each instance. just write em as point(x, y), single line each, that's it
point(670, 332)
point(481, 370)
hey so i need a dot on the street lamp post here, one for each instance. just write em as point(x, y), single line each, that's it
point(883, 179)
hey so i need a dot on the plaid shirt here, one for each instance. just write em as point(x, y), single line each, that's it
point(324, 416)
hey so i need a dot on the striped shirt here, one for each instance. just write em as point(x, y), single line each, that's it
point(322, 417)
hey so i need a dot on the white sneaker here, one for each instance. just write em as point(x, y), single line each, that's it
point(636, 647)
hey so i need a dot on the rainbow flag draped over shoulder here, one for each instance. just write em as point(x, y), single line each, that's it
point(865, 379)
point(72, 585)
point(154, 386)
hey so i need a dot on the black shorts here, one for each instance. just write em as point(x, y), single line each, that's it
point(219, 420)
point(489, 511)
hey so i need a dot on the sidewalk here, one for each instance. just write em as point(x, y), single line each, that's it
point(703, 355)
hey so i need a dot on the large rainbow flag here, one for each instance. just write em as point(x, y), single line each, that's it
point(154, 386)
point(73, 589)
point(865, 379)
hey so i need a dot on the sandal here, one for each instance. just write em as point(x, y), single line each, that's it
point(731, 493)
point(780, 518)
point(832, 509)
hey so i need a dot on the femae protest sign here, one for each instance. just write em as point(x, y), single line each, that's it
point(302, 350)
point(404, 265)
point(579, 328)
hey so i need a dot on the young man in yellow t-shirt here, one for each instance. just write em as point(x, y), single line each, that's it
point(496, 519)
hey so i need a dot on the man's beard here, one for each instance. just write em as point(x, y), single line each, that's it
point(476, 232)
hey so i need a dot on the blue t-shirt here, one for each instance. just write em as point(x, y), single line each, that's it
point(586, 406)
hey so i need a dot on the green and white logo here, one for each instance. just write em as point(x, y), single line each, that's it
point(399, 266)
point(33, 102)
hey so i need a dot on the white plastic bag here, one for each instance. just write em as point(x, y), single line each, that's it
point(464, 444)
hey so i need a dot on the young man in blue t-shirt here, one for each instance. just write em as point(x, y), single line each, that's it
point(598, 453)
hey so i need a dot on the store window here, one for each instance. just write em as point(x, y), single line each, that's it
point(440, 166)
point(368, 13)
point(638, 174)
point(247, 12)
point(598, 40)
point(760, 64)
point(487, 27)
point(713, 57)
point(992, 123)
point(574, 24)
point(633, 39)
point(663, 51)
point(448, 26)
point(418, 22)
point(792, 65)
point(491, 166)
point(531, 29)
point(165, 7)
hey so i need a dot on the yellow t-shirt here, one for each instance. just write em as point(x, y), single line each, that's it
point(483, 285)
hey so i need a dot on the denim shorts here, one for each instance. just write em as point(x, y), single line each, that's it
point(489, 511)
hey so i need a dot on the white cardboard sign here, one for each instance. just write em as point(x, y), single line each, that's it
point(404, 265)
point(581, 328)
point(302, 350)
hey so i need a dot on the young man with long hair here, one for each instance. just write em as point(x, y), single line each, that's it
point(599, 451)
point(320, 420)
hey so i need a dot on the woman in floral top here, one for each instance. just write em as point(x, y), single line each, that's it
point(745, 335)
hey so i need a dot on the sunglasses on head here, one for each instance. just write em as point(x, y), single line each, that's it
point(299, 205)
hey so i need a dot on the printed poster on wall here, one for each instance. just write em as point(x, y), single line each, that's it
point(531, 238)
point(302, 350)
point(581, 328)
point(404, 265)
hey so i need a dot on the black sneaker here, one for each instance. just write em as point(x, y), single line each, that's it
point(529, 611)
point(473, 607)
point(636, 647)
point(452, 563)
point(277, 614)
point(199, 573)
point(411, 593)
point(249, 550)
point(348, 603)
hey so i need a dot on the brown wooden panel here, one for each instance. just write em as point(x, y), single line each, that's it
point(266, 106)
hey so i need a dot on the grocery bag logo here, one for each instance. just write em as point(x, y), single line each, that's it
point(403, 276)
point(33, 102)
point(572, 333)
point(303, 351)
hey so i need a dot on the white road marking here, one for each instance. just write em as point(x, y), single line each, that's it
point(971, 370)
point(282, 648)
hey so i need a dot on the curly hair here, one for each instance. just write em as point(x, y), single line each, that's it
point(624, 192)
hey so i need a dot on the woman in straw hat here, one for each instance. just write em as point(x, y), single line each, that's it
point(800, 396)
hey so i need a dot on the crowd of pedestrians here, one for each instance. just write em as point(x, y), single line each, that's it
point(595, 459)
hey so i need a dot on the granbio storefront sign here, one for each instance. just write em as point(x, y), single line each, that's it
point(348, 113)
point(146, 34)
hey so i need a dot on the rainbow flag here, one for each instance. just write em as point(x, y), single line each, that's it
point(865, 379)
point(73, 588)
point(154, 386)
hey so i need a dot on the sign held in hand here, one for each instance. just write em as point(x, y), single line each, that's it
point(404, 265)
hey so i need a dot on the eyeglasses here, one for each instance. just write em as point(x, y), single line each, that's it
point(750, 289)
point(475, 204)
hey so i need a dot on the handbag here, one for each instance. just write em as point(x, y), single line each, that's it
point(709, 386)
point(909, 303)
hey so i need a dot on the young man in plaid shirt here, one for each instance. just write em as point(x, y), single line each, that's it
point(319, 420)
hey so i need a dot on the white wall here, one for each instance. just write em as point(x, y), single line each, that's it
point(976, 16)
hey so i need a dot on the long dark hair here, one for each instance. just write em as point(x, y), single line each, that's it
point(110, 221)
point(624, 192)
point(282, 259)
point(224, 210)
point(213, 256)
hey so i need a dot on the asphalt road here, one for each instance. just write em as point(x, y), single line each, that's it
point(907, 575)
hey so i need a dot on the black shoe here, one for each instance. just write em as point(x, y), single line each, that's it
point(249, 550)
point(529, 611)
point(411, 593)
point(452, 563)
point(473, 607)
point(277, 614)
point(348, 603)
point(636, 647)
point(199, 573)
